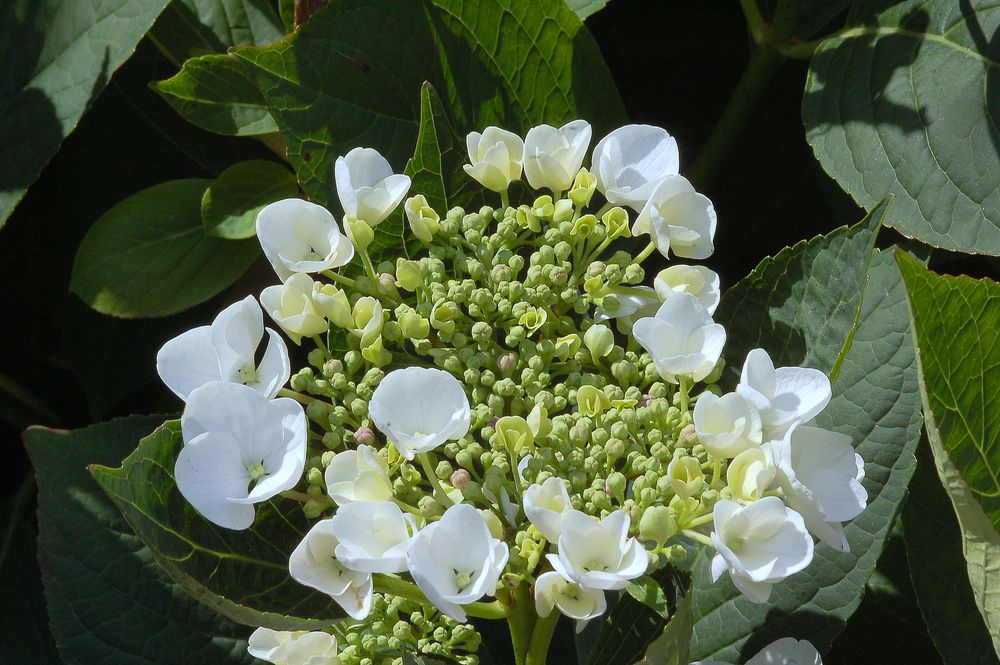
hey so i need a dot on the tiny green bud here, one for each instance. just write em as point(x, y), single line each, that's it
point(423, 220)
point(563, 211)
point(599, 341)
point(582, 189)
point(686, 477)
point(414, 326)
point(584, 226)
point(360, 233)
point(616, 222)
point(657, 524)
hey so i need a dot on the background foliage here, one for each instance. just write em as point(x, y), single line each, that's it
point(138, 138)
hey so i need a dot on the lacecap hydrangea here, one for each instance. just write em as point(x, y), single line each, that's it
point(512, 422)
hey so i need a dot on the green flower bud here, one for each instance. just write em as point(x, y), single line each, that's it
point(538, 421)
point(616, 222)
point(592, 401)
point(543, 207)
point(493, 522)
point(360, 233)
point(563, 211)
point(749, 475)
point(507, 363)
point(616, 484)
point(533, 319)
point(414, 326)
point(333, 304)
point(583, 187)
point(443, 316)
point(514, 434)
point(376, 354)
point(584, 226)
point(423, 220)
point(599, 341)
point(527, 219)
point(657, 524)
point(685, 476)
point(459, 478)
point(367, 315)
point(567, 346)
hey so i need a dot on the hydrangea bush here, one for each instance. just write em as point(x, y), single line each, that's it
point(513, 422)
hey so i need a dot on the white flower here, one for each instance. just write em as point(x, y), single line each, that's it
point(552, 157)
point(786, 651)
point(678, 219)
point(293, 309)
point(234, 436)
point(367, 187)
point(699, 281)
point(314, 564)
point(598, 554)
point(821, 477)
point(373, 536)
point(358, 475)
point(630, 161)
point(783, 395)
point(283, 647)
point(495, 157)
point(634, 303)
point(682, 338)
point(726, 425)
point(419, 408)
point(760, 544)
point(552, 591)
point(299, 236)
point(456, 561)
point(545, 504)
point(226, 351)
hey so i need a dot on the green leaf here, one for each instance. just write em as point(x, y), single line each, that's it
point(190, 28)
point(57, 57)
point(230, 205)
point(215, 93)
point(241, 574)
point(875, 402)
point(955, 322)
point(673, 645)
point(938, 572)
point(584, 8)
point(149, 256)
point(331, 87)
point(107, 599)
point(905, 102)
point(649, 592)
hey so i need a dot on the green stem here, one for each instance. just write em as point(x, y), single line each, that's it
point(301, 497)
point(321, 345)
point(341, 279)
point(698, 537)
point(395, 586)
point(513, 470)
point(298, 397)
point(541, 637)
point(703, 519)
point(505, 199)
point(644, 254)
point(439, 493)
point(683, 389)
point(755, 22)
point(408, 508)
point(521, 622)
point(604, 208)
point(716, 473)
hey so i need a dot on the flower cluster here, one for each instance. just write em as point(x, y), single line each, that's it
point(512, 415)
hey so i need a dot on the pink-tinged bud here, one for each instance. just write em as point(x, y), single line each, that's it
point(364, 436)
point(459, 478)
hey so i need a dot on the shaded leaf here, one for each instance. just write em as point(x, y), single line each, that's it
point(874, 401)
point(672, 646)
point(214, 92)
point(241, 574)
point(57, 57)
point(905, 102)
point(191, 28)
point(230, 205)
point(584, 8)
point(149, 256)
point(108, 600)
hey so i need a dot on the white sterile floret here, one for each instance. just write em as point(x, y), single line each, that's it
point(456, 560)
point(553, 157)
point(367, 187)
point(419, 408)
point(373, 536)
point(760, 544)
point(314, 564)
point(678, 219)
point(235, 437)
point(495, 158)
point(699, 281)
point(598, 554)
point(783, 395)
point(544, 506)
point(633, 303)
point(726, 425)
point(291, 306)
point(631, 161)
point(299, 236)
point(226, 351)
point(821, 475)
point(358, 475)
point(786, 651)
point(682, 338)
point(553, 591)
point(282, 647)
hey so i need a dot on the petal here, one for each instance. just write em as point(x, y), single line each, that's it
point(209, 472)
point(274, 369)
point(236, 332)
point(220, 407)
point(809, 387)
point(345, 190)
point(188, 361)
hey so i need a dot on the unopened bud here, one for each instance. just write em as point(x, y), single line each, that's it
point(493, 522)
point(658, 524)
point(582, 189)
point(507, 363)
point(360, 233)
point(459, 478)
point(599, 341)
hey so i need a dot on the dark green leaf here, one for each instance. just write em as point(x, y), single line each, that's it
point(190, 28)
point(673, 645)
point(874, 401)
point(648, 592)
point(57, 57)
point(584, 8)
point(331, 87)
point(955, 321)
point(230, 205)
point(215, 93)
point(938, 572)
point(241, 574)
point(149, 256)
point(286, 8)
point(108, 601)
point(906, 102)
